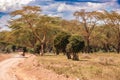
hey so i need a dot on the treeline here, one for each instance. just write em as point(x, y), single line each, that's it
point(90, 32)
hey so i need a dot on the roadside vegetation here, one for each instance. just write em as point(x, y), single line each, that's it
point(86, 48)
point(31, 31)
point(97, 66)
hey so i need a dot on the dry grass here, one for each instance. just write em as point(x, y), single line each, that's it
point(99, 66)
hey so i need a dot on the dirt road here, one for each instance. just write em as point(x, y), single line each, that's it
point(22, 68)
point(6, 65)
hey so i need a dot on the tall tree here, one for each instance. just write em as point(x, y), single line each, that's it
point(88, 20)
point(112, 19)
point(29, 17)
point(26, 18)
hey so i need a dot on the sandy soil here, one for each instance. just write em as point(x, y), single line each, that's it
point(6, 65)
point(19, 68)
point(31, 70)
point(4, 56)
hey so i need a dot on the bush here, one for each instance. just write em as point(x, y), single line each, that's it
point(37, 48)
point(8, 49)
point(13, 48)
point(60, 41)
point(31, 50)
point(75, 45)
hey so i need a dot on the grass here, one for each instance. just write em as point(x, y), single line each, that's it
point(97, 66)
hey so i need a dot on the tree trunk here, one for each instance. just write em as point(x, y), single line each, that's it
point(75, 57)
point(88, 45)
point(68, 55)
point(118, 49)
point(43, 43)
point(106, 47)
point(57, 52)
point(42, 49)
point(23, 54)
point(24, 51)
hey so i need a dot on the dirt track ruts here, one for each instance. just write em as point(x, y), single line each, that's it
point(6, 65)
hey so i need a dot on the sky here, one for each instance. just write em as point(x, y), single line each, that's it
point(61, 8)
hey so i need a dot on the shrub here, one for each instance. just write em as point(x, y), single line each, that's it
point(60, 41)
point(37, 48)
point(76, 43)
point(13, 48)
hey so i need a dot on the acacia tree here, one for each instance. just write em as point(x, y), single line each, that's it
point(3, 42)
point(102, 39)
point(47, 25)
point(26, 38)
point(29, 17)
point(71, 26)
point(88, 20)
point(112, 19)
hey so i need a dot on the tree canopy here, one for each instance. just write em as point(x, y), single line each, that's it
point(39, 33)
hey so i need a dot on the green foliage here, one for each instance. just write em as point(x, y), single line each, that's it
point(100, 30)
point(8, 48)
point(24, 49)
point(76, 43)
point(37, 48)
point(61, 40)
point(31, 50)
point(13, 48)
